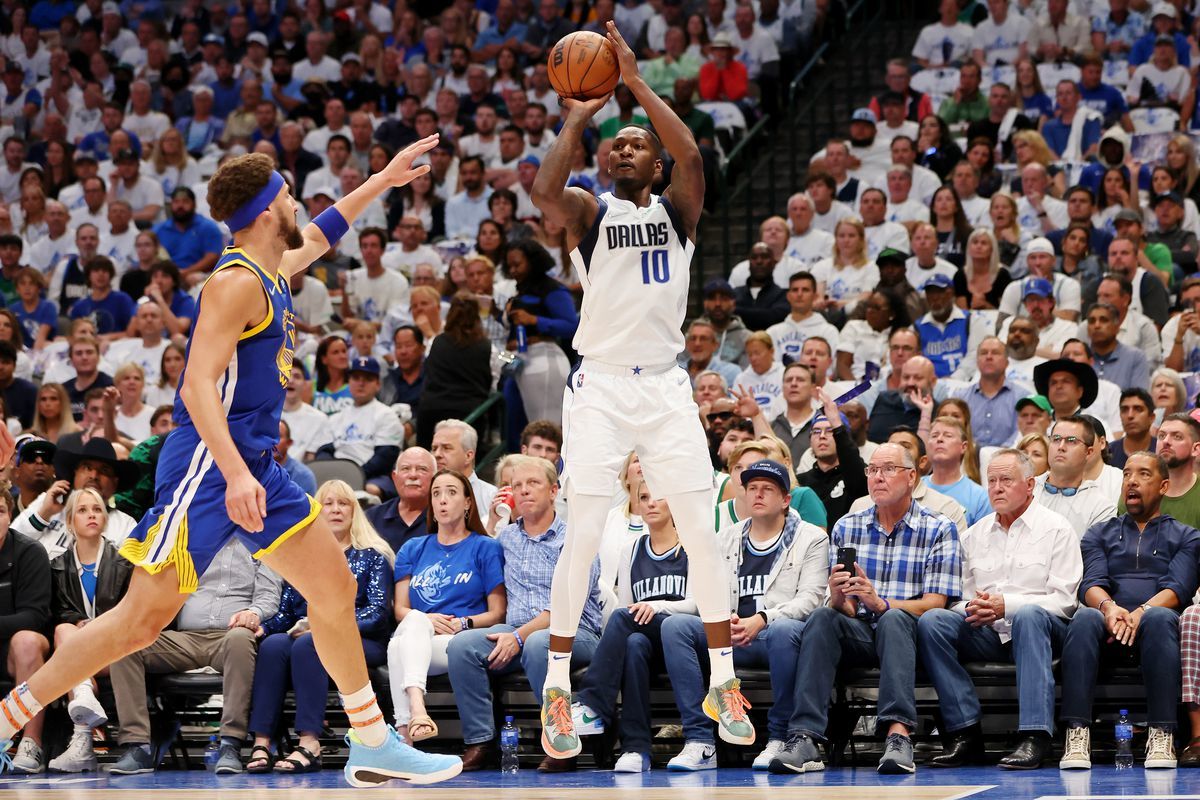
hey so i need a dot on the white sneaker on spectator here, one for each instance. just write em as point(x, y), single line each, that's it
point(79, 755)
point(587, 722)
point(29, 758)
point(693, 757)
point(763, 759)
point(632, 762)
point(85, 709)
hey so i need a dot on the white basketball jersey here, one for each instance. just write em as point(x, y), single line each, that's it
point(634, 265)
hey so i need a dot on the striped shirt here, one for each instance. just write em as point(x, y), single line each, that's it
point(920, 555)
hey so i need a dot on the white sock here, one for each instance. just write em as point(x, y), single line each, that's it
point(16, 709)
point(367, 720)
point(721, 666)
point(558, 671)
point(83, 730)
point(83, 691)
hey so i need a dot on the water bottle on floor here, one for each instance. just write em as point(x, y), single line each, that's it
point(509, 742)
point(212, 753)
point(1124, 737)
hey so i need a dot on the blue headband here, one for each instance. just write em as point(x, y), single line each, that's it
point(250, 210)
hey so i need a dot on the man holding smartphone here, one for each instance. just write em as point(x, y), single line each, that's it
point(1181, 334)
point(1021, 569)
point(906, 562)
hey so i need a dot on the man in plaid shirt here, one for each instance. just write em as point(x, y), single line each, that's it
point(907, 563)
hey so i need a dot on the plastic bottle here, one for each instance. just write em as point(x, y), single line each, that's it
point(1124, 737)
point(212, 753)
point(509, 742)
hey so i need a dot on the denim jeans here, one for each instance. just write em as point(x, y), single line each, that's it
point(830, 639)
point(686, 649)
point(947, 642)
point(471, 678)
point(1156, 646)
point(622, 664)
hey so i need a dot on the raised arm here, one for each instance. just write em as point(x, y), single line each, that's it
point(571, 207)
point(397, 173)
point(686, 192)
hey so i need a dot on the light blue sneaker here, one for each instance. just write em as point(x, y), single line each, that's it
point(6, 762)
point(395, 760)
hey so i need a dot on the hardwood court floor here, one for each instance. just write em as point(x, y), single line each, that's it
point(980, 783)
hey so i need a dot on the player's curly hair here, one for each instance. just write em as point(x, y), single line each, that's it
point(236, 181)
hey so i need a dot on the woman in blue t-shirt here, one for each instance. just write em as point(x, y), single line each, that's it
point(447, 582)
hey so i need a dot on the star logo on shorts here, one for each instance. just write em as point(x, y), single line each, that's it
point(637, 370)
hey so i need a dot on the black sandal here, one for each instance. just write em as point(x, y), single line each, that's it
point(298, 767)
point(267, 757)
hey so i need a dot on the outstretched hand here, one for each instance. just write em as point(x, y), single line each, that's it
point(400, 170)
point(626, 59)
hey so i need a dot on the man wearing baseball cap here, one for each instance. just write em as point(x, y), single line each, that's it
point(1168, 212)
point(1164, 21)
point(949, 336)
point(779, 565)
point(1037, 299)
point(1039, 256)
point(368, 432)
point(719, 305)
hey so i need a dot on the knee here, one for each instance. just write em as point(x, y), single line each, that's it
point(239, 643)
point(28, 646)
point(638, 647)
point(1031, 617)
point(466, 648)
point(821, 620)
point(679, 629)
point(62, 632)
point(415, 622)
point(304, 647)
point(937, 623)
point(275, 645)
point(537, 645)
point(1160, 620)
point(896, 621)
point(1087, 619)
point(785, 635)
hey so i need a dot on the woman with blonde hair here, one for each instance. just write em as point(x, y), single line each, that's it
point(170, 369)
point(89, 578)
point(1029, 147)
point(170, 164)
point(1037, 447)
point(1006, 228)
point(981, 282)
point(29, 213)
point(447, 582)
point(287, 656)
point(133, 416)
point(52, 417)
point(849, 275)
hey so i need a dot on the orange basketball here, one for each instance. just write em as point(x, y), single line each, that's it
point(583, 65)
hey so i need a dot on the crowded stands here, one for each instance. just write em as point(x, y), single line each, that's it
point(974, 325)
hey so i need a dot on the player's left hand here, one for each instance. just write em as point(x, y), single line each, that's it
point(626, 58)
point(246, 502)
point(400, 170)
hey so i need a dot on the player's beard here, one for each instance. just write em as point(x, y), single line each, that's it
point(290, 234)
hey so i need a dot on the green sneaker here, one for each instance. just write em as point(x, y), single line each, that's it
point(726, 706)
point(559, 738)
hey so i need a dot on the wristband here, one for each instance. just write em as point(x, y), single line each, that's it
point(1102, 602)
point(763, 614)
point(520, 641)
point(887, 606)
point(332, 224)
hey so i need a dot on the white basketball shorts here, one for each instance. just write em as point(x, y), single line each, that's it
point(609, 411)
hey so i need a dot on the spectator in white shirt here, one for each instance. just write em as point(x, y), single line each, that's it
point(965, 179)
point(893, 122)
point(58, 242)
point(310, 427)
point(483, 142)
point(1002, 38)
point(945, 42)
point(808, 244)
point(144, 194)
point(142, 120)
point(881, 234)
point(337, 156)
point(316, 140)
point(756, 48)
point(371, 291)
point(827, 211)
point(145, 345)
point(1025, 601)
point(1037, 211)
point(901, 207)
point(316, 64)
point(367, 432)
point(1071, 443)
point(773, 232)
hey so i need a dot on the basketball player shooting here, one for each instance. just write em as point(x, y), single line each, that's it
point(217, 480)
point(633, 251)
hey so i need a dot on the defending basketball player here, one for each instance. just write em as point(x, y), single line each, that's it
point(217, 479)
point(632, 251)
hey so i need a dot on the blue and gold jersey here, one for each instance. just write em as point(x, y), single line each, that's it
point(253, 385)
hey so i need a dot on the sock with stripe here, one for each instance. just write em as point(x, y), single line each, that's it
point(16, 709)
point(363, 711)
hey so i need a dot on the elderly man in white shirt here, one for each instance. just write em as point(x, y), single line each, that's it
point(1021, 570)
point(1064, 489)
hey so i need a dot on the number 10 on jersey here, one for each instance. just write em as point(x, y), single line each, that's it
point(655, 267)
